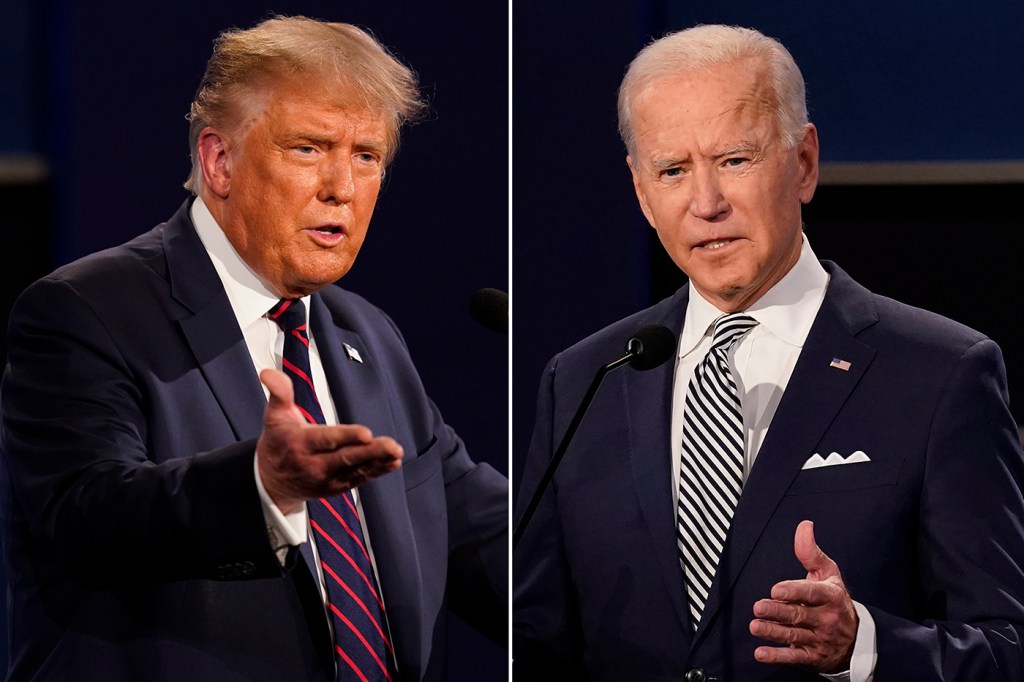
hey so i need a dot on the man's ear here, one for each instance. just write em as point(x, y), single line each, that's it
point(214, 161)
point(808, 150)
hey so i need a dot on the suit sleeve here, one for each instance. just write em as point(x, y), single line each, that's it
point(547, 640)
point(75, 455)
point(970, 540)
point(477, 503)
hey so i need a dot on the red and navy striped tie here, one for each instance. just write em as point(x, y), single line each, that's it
point(361, 639)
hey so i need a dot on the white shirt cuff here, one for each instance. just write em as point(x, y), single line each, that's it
point(284, 530)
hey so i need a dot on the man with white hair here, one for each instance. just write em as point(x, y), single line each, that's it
point(823, 483)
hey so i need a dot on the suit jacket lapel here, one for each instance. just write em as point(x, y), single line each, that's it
point(648, 397)
point(359, 398)
point(815, 394)
point(212, 333)
point(210, 327)
point(355, 384)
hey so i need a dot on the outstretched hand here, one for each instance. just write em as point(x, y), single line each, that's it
point(299, 461)
point(814, 618)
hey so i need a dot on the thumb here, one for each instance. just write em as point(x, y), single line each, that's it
point(282, 394)
point(819, 566)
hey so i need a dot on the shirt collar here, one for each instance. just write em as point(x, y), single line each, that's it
point(787, 310)
point(250, 298)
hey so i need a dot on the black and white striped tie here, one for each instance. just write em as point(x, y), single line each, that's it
point(711, 468)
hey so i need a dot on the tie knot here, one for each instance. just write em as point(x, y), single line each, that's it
point(289, 314)
point(729, 328)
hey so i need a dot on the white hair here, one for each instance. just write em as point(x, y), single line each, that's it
point(700, 47)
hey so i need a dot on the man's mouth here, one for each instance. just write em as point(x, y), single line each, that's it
point(329, 229)
point(715, 244)
point(328, 236)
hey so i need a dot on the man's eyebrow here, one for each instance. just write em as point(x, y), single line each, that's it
point(327, 140)
point(371, 145)
point(741, 148)
point(667, 162)
point(306, 137)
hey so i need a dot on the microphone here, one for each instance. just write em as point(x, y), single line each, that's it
point(489, 307)
point(646, 349)
point(650, 347)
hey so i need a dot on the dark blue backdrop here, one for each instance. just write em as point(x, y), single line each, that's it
point(102, 91)
point(904, 81)
point(915, 80)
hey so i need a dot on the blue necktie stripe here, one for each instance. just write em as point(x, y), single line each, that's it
point(362, 645)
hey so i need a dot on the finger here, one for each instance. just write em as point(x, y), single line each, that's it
point(781, 634)
point(785, 613)
point(783, 655)
point(819, 566)
point(336, 436)
point(282, 393)
point(380, 452)
point(373, 467)
point(281, 402)
point(361, 464)
point(803, 616)
point(810, 592)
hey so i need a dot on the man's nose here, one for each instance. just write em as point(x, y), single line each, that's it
point(707, 202)
point(337, 185)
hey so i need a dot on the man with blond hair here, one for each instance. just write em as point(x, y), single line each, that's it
point(217, 466)
point(821, 483)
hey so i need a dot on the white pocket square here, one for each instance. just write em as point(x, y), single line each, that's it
point(815, 461)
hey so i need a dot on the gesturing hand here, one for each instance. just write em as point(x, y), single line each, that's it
point(815, 617)
point(299, 461)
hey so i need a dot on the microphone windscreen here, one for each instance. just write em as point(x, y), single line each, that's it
point(651, 346)
point(489, 307)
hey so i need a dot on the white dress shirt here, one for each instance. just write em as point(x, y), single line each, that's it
point(250, 300)
point(762, 363)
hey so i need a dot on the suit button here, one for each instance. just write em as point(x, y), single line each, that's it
point(695, 675)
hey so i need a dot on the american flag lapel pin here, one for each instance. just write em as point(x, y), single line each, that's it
point(840, 364)
point(353, 354)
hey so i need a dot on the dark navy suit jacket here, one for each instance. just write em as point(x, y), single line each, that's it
point(134, 536)
point(929, 534)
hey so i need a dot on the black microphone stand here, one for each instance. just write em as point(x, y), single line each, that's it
point(635, 349)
